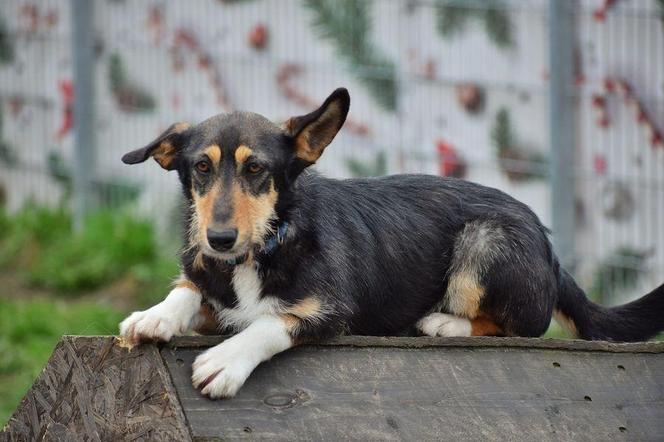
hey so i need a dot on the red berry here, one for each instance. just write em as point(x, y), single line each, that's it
point(599, 164)
point(258, 37)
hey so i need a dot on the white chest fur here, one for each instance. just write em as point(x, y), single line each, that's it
point(250, 306)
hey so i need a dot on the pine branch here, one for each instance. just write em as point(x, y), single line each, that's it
point(6, 45)
point(502, 137)
point(450, 19)
point(612, 275)
point(116, 73)
point(498, 26)
point(660, 3)
point(7, 155)
point(452, 16)
point(347, 24)
point(516, 163)
point(360, 169)
point(60, 172)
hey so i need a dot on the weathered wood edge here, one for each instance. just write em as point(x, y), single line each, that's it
point(426, 342)
point(169, 386)
point(472, 342)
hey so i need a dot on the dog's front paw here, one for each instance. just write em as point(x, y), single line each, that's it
point(154, 324)
point(222, 370)
point(172, 316)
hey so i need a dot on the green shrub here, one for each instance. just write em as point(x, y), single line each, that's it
point(38, 247)
point(38, 244)
point(109, 246)
point(30, 228)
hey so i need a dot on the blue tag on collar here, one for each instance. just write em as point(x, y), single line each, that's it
point(273, 241)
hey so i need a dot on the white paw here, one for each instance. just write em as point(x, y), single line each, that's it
point(442, 324)
point(149, 325)
point(222, 370)
point(172, 316)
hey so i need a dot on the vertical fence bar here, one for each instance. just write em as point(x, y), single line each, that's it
point(561, 128)
point(82, 44)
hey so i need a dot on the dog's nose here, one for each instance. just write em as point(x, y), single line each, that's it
point(222, 240)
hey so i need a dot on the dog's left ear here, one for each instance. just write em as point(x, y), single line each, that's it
point(312, 133)
point(163, 149)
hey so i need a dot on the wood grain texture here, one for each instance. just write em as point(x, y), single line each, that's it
point(360, 388)
point(92, 389)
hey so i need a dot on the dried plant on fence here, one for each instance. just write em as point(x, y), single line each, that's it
point(128, 96)
point(516, 163)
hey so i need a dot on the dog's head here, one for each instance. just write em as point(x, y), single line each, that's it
point(235, 166)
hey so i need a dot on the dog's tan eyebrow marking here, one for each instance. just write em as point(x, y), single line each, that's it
point(242, 153)
point(213, 152)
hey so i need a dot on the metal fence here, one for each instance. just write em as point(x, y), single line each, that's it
point(556, 102)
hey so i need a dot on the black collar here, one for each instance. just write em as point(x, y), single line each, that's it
point(272, 242)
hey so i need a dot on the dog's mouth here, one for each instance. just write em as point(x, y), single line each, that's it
point(236, 255)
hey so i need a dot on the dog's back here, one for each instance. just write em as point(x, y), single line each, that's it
point(391, 247)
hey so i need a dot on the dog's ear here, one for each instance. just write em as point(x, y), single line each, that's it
point(163, 149)
point(312, 133)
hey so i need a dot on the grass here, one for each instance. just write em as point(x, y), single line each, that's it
point(38, 242)
point(55, 282)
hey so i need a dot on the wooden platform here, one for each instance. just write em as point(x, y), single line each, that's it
point(353, 388)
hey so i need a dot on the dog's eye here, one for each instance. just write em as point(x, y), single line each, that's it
point(255, 168)
point(203, 167)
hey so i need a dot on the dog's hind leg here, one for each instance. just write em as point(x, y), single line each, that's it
point(500, 282)
point(443, 324)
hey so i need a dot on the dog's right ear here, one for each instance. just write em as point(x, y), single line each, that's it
point(163, 149)
point(311, 133)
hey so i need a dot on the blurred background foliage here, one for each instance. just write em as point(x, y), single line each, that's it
point(59, 282)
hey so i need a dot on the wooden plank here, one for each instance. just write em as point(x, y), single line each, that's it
point(94, 389)
point(394, 389)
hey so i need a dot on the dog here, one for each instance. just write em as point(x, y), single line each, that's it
point(281, 256)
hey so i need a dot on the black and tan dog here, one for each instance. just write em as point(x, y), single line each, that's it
point(282, 256)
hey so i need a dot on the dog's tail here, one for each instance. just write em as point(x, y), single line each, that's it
point(638, 320)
